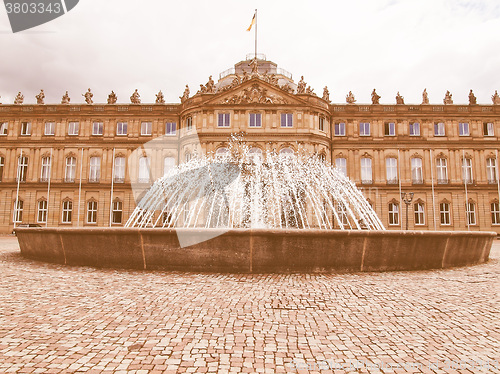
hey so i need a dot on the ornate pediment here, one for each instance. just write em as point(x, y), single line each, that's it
point(253, 94)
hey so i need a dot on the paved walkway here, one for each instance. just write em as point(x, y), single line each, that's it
point(57, 319)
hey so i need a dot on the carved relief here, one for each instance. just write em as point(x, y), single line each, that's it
point(349, 99)
point(254, 94)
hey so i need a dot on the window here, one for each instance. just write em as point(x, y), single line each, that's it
point(188, 156)
point(223, 120)
point(221, 151)
point(189, 123)
point(92, 211)
point(416, 170)
point(146, 128)
point(255, 154)
point(45, 173)
point(415, 129)
point(97, 128)
point(167, 219)
point(286, 120)
point(95, 169)
point(42, 211)
point(419, 214)
point(116, 215)
point(321, 123)
point(119, 169)
point(391, 168)
point(340, 129)
point(442, 171)
point(168, 164)
point(18, 211)
point(322, 157)
point(67, 209)
point(121, 128)
point(444, 212)
point(22, 168)
point(342, 213)
point(2, 163)
point(255, 120)
point(70, 170)
point(491, 170)
point(50, 128)
point(467, 170)
point(286, 152)
point(393, 214)
point(439, 129)
point(170, 128)
point(463, 129)
point(471, 213)
point(25, 128)
point(143, 170)
point(3, 128)
point(341, 165)
point(390, 129)
point(73, 128)
point(495, 213)
point(488, 129)
point(366, 170)
point(364, 129)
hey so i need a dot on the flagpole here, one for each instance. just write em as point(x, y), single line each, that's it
point(255, 35)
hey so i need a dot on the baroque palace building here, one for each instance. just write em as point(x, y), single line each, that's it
point(67, 164)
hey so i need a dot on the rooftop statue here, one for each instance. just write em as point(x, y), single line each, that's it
point(210, 86)
point(310, 91)
point(40, 97)
point(375, 97)
point(65, 99)
point(160, 99)
point(135, 98)
point(495, 98)
point(185, 95)
point(400, 99)
point(301, 86)
point(447, 98)
point(112, 98)
point(472, 98)
point(245, 77)
point(425, 97)
point(19, 99)
point(88, 97)
point(202, 89)
point(326, 94)
point(349, 99)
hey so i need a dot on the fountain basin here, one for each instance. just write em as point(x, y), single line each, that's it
point(257, 250)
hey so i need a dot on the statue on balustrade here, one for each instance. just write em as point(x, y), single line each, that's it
point(472, 98)
point(65, 99)
point(448, 100)
point(425, 97)
point(19, 99)
point(112, 98)
point(495, 98)
point(160, 99)
point(40, 97)
point(135, 98)
point(185, 95)
point(375, 97)
point(400, 100)
point(349, 99)
point(88, 97)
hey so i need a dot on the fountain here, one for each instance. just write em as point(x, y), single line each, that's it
point(244, 211)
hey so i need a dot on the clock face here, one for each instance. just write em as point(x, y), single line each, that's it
point(26, 14)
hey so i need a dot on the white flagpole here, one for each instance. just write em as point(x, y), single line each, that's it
point(112, 186)
point(255, 35)
point(400, 213)
point(433, 197)
point(498, 176)
point(464, 174)
point(80, 189)
point(48, 191)
point(18, 181)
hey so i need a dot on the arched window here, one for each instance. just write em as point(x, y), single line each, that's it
point(222, 151)
point(255, 154)
point(417, 175)
point(116, 214)
point(18, 211)
point(70, 170)
point(67, 210)
point(42, 211)
point(45, 172)
point(92, 211)
point(143, 170)
point(286, 152)
point(393, 214)
point(168, 164)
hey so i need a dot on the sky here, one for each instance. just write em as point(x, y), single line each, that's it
point(355, 45)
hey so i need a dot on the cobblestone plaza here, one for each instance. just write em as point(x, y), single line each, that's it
point(57, 319)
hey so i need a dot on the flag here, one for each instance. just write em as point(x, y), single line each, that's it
point(252, 23)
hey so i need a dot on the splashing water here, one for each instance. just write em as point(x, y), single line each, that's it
point(241, 189)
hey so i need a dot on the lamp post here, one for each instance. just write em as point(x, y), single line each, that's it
point(407, 197)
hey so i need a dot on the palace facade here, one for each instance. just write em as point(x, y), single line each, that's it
point(67, 164)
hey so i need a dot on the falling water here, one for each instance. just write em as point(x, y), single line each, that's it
point(240, 189)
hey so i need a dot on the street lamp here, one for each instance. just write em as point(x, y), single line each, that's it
point(407, 197)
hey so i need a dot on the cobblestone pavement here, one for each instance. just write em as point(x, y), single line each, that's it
point(57, 319)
